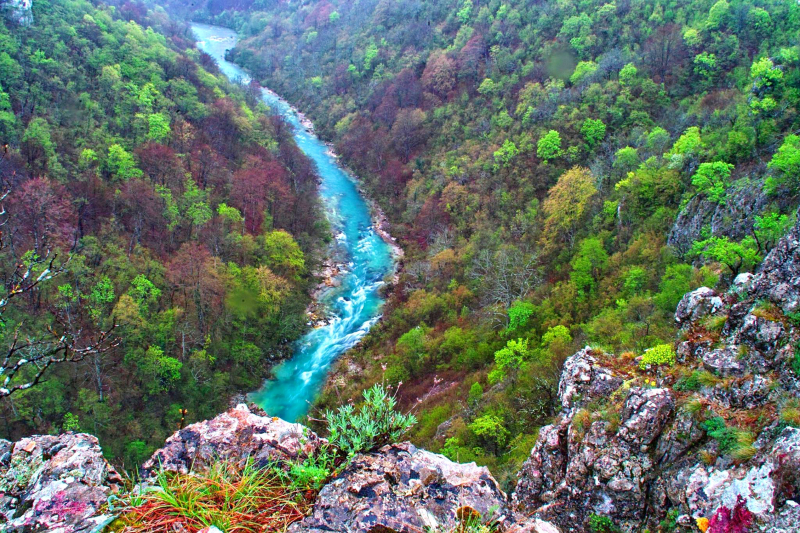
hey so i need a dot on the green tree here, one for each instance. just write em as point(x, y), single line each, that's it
point(144, 292)
point(369, 56)
point(786, 166)
point(676, 281)
point(566, 204)
point(475, 394)
point(282, 254)
point(635, 280)
point(509, 359)
point(687, 148)
point(465, 13)
point(162, 371)
point(583, 70)
point(734, 255)
point(519, 313)
point(37, 145)
point(121, 164)
point(413, 346)
point(718, 15)
point(769, 228)
point(713, 180)
point(101, 296)
point(70, 423)
point(628, 74)
point(765, 74)
point(705, 66)
point(491, 429)
point(487, 87)
point(588, 265)
point(625, 160)
point(557, 340)
point(549, 146)
point(158, 127)
point(593, 131)
point(506, 153)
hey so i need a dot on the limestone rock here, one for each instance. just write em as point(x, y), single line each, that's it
point(235, 436)
point(55, 484)
point(404, 489)
point(583, 379)
point(697, 305)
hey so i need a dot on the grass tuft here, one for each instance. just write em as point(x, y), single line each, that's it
point(235, 500)
point(790, 413)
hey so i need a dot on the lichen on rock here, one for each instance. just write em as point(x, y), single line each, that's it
point(55, 483)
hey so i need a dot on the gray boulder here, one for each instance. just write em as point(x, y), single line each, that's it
point(404, 489)
point(55, 483)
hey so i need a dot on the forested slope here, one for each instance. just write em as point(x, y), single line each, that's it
point(534, 158)
point(177, 208)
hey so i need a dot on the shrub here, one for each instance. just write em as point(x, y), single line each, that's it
point(601, 524)
point(734, 442)
point(689, 383)
point(663, 354)
point(313, 472)
point(374, 424)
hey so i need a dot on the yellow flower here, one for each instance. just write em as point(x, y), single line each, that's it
point(702, 523)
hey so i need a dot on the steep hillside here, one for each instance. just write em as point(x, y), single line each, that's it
point(705, 437)
point(559, 173)
point(181, 216)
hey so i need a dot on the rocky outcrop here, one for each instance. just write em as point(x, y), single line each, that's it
point(699, 441)
point(574, 471)
point(236, 436)
point(404, 489)
point(20, 11)
point(734, 218)
point(57, 484)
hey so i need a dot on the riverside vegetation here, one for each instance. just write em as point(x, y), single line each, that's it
point(559, 174)
point(176, 208)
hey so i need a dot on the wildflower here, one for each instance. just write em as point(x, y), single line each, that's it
point(702, 523)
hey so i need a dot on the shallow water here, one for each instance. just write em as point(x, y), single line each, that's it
point(355, 305)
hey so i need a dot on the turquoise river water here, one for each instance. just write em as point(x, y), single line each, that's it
point(355, 304)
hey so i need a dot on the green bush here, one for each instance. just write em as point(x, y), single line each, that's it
point(374, 424)
point(601, 524)
point(663, 354)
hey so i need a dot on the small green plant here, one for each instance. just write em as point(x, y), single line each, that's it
point(790, 413)
point(670, 522)
point(663, 354)
point(694, 407)
point(688, 383)
point(313, 472)
point(715, 323)
point(796, 360)
point(793, 317)
point(717, 429)
point(601, 524)
point(374, 424)
point(581, 422)
point(734, 442)
point(71, 423)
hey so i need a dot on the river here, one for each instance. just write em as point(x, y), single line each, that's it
point(355, 303)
